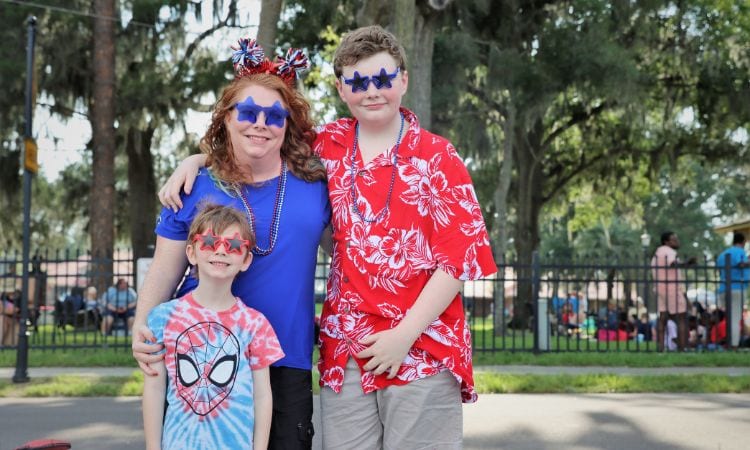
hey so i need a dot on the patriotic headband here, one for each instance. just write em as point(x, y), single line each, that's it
point(249, 58)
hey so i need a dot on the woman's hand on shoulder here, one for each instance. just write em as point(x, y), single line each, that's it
point(182, 179)
point(143, 352)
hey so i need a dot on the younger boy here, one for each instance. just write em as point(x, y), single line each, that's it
point(215, 375)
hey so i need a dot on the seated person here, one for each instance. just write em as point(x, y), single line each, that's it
point(91, 304)
point(569, 320)
point(745, 328)
point(696, 333)
point(119, 301)
point(717, 337)
point(9, 318)
point(670, 335)
point(645, 329)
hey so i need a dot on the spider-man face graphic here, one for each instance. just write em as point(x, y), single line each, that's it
point(206, 359)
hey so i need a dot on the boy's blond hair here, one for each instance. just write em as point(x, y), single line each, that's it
point(365, 42)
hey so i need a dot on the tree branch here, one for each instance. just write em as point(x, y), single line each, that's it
point(576, 118)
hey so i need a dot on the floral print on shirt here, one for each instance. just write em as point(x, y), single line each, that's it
point(378, 269)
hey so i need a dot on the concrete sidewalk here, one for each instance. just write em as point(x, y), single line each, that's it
point(517, 422)
point(496, 421)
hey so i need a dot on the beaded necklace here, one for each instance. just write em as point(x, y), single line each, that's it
point(274, 231)
point(382, 212)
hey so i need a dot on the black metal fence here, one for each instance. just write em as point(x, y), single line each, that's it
point(544, 306)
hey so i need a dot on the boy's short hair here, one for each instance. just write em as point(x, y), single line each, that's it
point(218, 218)
point(365, 42)
point(738, 238)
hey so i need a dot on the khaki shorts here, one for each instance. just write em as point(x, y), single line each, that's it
point(424, 414)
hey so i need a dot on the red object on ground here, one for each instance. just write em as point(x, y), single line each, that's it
point(45, 444)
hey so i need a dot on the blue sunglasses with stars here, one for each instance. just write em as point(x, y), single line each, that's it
point(381, 80)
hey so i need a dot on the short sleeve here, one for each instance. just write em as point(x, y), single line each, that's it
point(460, 241)
point(327, 202)
point(264, 347)
point(157, 321)
point(176, 225)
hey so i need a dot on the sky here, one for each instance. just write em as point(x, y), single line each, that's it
point(61, 143)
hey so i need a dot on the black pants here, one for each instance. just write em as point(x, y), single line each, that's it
point(291, 424)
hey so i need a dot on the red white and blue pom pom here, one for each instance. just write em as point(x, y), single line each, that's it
point(294, 63)
point(248, 54)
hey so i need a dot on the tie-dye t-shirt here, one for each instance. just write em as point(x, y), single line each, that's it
point(209, 358)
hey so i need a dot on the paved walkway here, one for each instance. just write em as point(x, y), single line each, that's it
point(515, 422)
point(508, 421)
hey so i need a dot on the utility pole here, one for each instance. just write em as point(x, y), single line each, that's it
point(30, 167)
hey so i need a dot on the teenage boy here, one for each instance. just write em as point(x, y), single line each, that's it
point(395, 354)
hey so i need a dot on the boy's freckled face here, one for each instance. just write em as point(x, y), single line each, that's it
point(376, 106)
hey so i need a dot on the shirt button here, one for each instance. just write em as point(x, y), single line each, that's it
point(346, 309)
point(361, 173)
point(345, 279)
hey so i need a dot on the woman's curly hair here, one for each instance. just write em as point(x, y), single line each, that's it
point(300, 135)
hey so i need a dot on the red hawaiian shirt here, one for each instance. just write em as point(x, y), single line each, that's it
point(379, 268)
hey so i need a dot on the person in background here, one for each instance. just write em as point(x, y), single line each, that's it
point(9, 312)
point(670, 290)
point(118, 302)
point(739, 273)
point(92, 307)
point(644, 329)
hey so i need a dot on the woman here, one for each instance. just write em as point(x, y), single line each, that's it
point(259, 160)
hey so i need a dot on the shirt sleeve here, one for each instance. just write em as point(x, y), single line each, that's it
point(157, 320)
point(460, 242)
point(176, 225)
point(327, 202)
point(264, 347)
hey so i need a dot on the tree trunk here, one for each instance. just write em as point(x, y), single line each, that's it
point(142, 191)
point(528, 156)
point(500, 224)
point(419, 96)
point(374, 12)
point(101, 224)
point(270, 11)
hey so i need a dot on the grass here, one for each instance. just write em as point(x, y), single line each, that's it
point(91, 386)
point(606, 383)
point(114, 357)
point(75, 386)
point(105, 354)
point(615, 359)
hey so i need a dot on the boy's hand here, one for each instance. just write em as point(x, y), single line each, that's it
point(143, 352)
point(182, 179)
point(387, 350)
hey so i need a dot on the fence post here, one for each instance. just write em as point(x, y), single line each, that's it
point(733, 328)
point(541, 319)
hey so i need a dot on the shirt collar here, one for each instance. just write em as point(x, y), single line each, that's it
point(409, 141)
